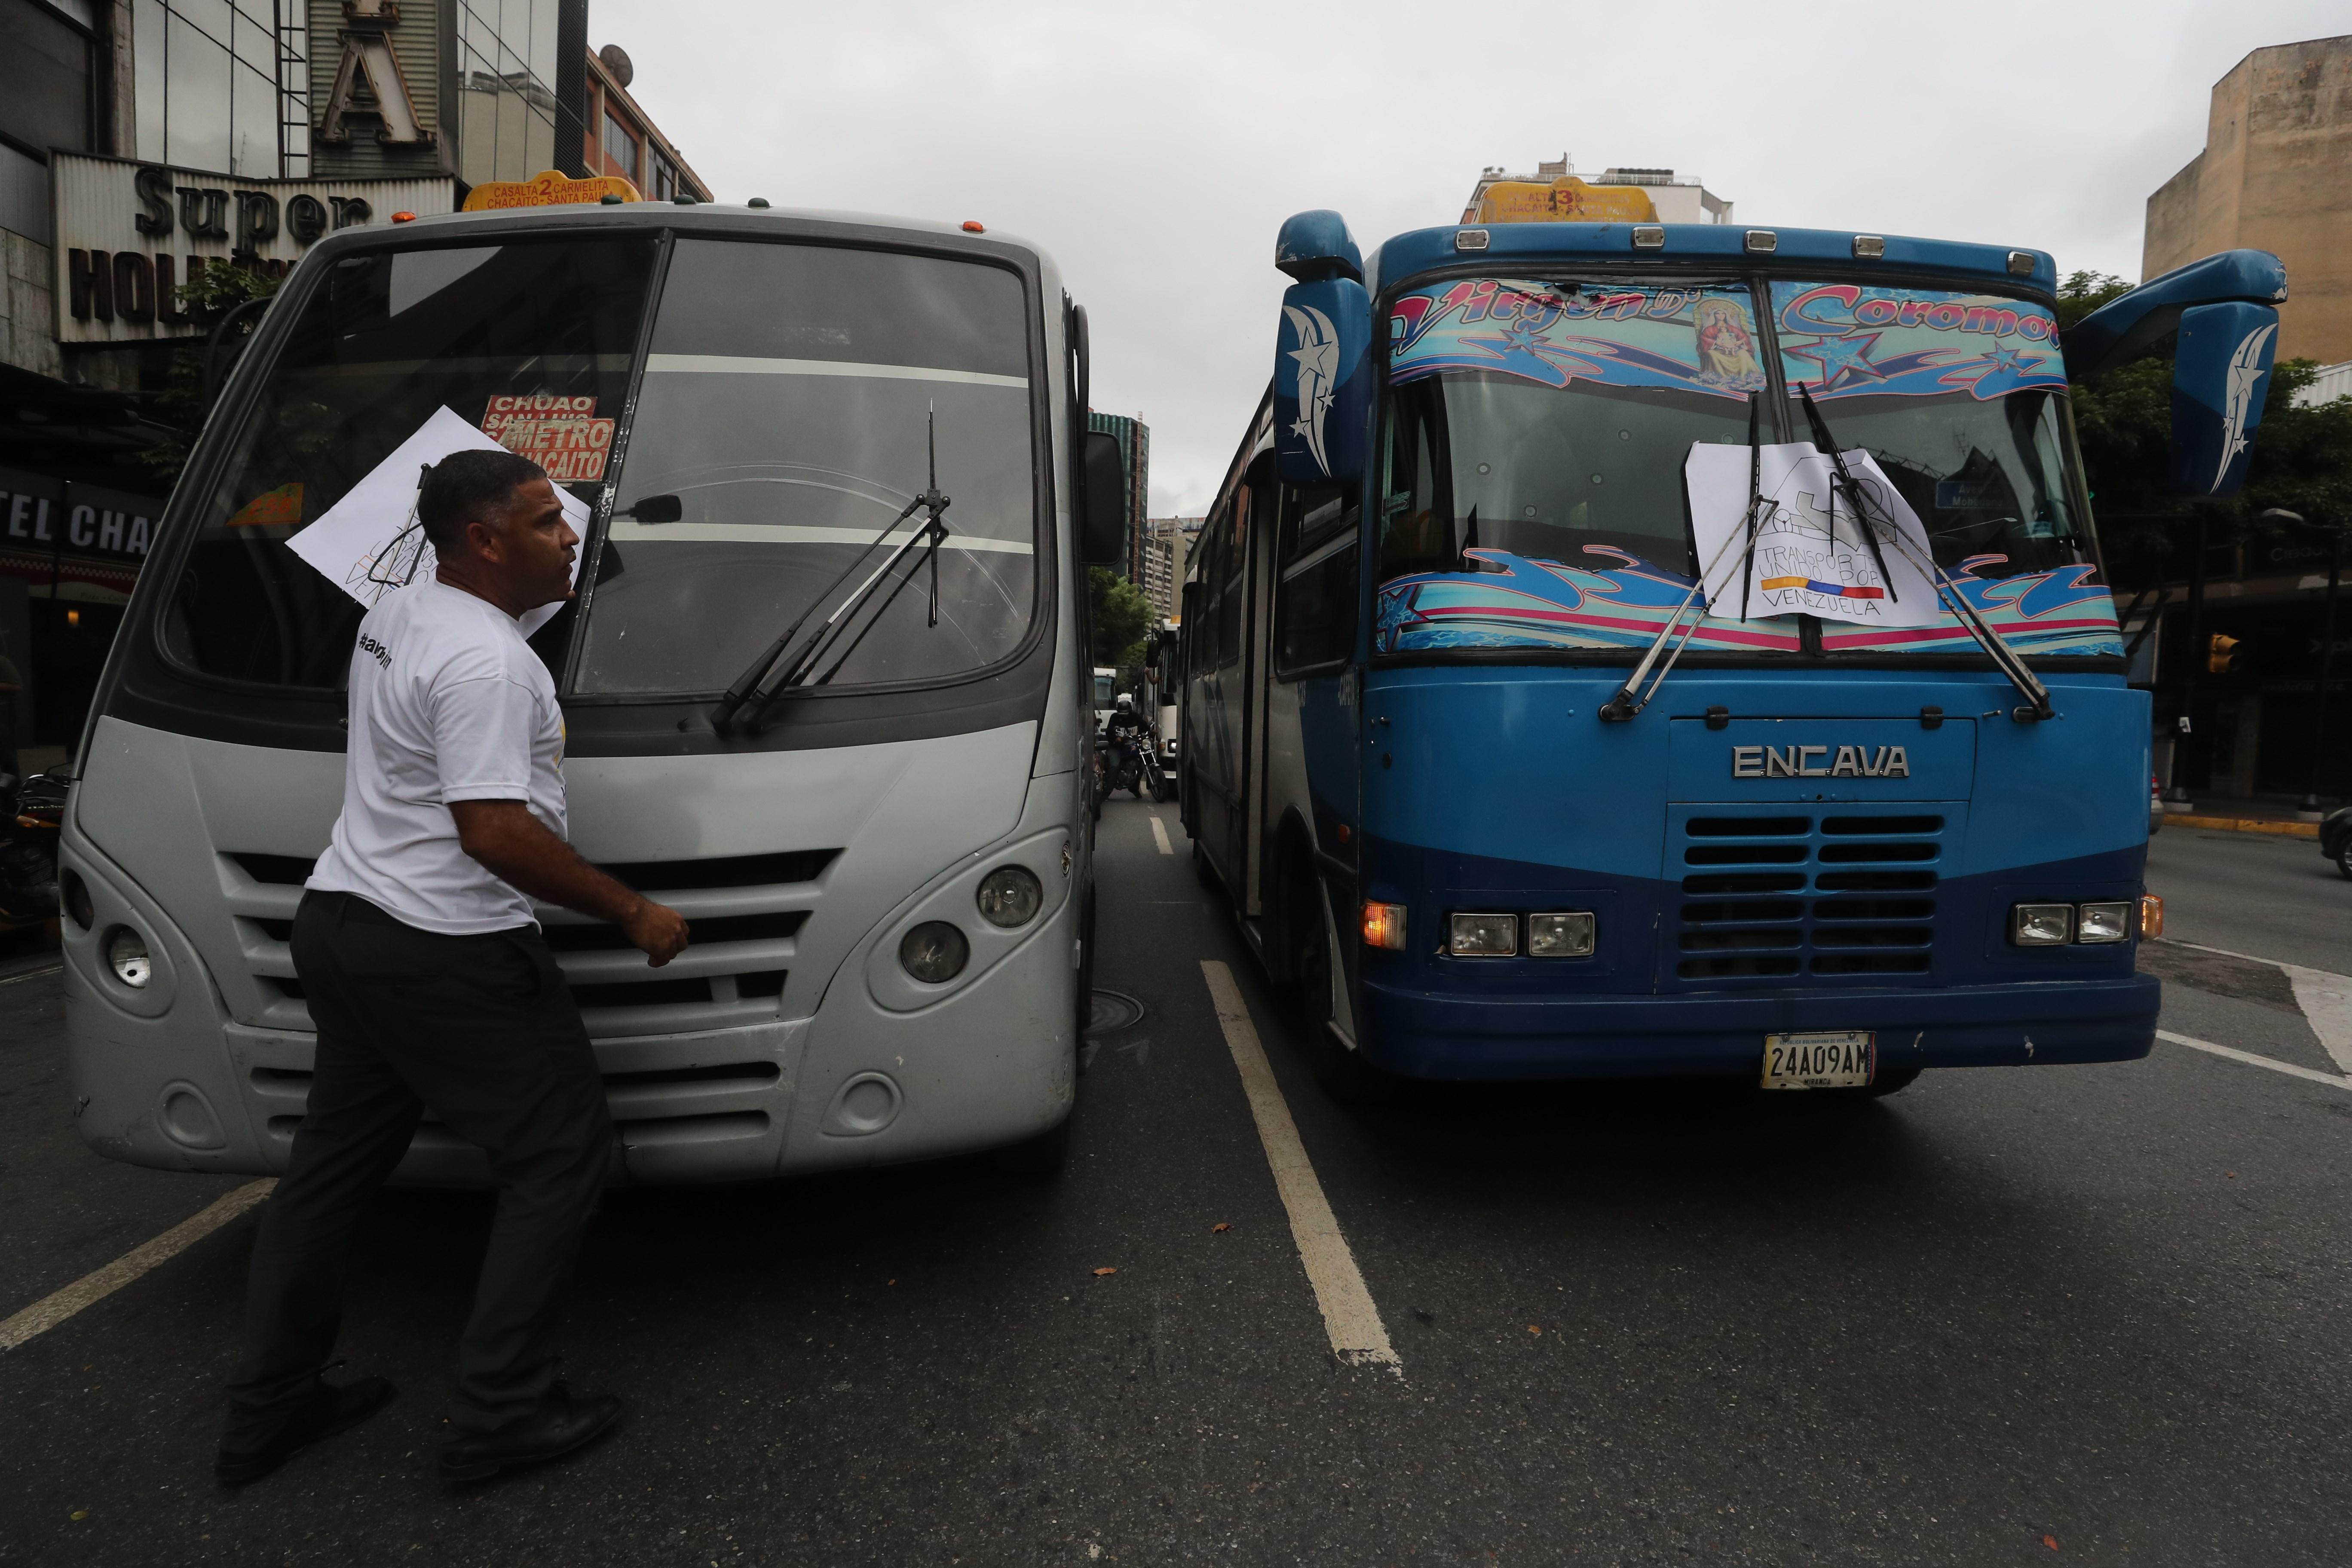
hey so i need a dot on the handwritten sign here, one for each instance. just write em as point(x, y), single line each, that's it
point(369, 543)
point(1810, 554)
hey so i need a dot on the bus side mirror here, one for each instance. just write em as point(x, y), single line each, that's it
point(2221, 376)
point(1102, 522)
point(1322, 377)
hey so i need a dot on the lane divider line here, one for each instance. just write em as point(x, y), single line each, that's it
point(2326, 999)
point(2289, 1068)
point(1160, 834)
point(1349, 1316)
point(90, 1289)
point(32, 975)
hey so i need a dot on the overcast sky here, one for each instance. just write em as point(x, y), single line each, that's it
point(1154, 150)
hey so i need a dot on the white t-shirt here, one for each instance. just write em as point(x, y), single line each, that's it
point(448, 702)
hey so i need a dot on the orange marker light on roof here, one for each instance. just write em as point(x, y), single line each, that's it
point(974, 226)
point(403, 217)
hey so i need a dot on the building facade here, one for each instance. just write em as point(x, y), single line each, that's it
point(1134, 439)
point(2276, 175)
point(1166, 545)
point(143, 142)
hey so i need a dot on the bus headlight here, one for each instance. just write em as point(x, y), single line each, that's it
point(126, 954)
point(1484, 936)
point(934, 952)
point(1569, 935)
point(2042, 925)
point(1010, 897)
point(2102, 922)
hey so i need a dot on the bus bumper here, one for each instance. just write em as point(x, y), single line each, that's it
point(1429, 1034)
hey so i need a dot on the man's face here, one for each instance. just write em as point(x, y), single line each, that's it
point(526, 548)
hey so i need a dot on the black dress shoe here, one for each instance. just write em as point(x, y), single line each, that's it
point(333, 1408)
point(559, 1425)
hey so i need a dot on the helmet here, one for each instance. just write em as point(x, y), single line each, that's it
point(1125, 703)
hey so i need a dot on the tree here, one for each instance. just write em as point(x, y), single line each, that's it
point(1122, 617)
point(206, 297)
point(2301, 461)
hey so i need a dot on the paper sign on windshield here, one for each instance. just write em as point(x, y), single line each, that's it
point(1809, 556)
point(369, 543)
point(561, 434)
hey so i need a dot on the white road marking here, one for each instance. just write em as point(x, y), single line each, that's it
point(2292, 1070)
point(50, 1310)
point(1160, 834)
point(2325, 1000)
point(1349, 1316)
point(34, 974)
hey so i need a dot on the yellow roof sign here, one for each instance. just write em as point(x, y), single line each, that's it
point(549, 189)
point(1565, 200)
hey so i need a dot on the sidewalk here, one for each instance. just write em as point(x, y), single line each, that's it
point(2213, 811)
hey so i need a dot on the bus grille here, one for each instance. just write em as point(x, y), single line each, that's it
point(746, 912)
point(1789, 894)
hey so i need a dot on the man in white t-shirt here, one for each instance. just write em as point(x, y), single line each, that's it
point(431, 986)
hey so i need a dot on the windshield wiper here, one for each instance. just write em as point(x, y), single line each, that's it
point(774, 673)
point(1625, 704)
point(1871, 517)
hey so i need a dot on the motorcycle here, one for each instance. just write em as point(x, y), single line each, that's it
point(31, 813)
point(1133, 766)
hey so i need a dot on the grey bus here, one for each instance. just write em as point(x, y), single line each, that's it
point(824, 684)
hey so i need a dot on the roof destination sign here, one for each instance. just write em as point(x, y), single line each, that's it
point(128, 234)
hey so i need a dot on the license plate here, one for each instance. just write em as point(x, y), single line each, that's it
point(1826, 1058)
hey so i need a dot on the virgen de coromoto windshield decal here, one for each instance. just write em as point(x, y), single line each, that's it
point(1843, 340)
point(1611, 598)
point(1694, 339)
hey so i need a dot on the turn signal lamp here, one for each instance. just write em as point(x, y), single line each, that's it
point(403, 217)
point(974, 226)
point(2151, 915)
point(1384, 925)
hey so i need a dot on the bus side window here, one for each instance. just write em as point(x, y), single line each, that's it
point(1201, 655)
point(1315, 609)
point(1232, 566)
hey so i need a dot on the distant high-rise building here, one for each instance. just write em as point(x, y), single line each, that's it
point(1134, 439)
point(1166, 542)
point(1556, 193)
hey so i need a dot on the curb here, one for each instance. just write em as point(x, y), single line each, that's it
point(2246, 825)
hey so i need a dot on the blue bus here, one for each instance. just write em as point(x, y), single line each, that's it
point(1507, 781)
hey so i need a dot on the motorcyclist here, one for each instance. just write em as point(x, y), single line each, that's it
point(1126, 727)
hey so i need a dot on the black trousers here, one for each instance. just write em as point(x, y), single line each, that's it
point(484, 1031)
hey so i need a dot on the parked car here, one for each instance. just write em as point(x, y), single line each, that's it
point(2335, 839)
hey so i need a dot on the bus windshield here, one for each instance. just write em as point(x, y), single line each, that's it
point(792, 398)
point(1534, 436)
point(785, 411)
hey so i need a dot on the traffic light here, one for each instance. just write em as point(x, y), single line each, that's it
point(2221, 653)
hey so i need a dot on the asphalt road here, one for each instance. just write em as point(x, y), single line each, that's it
point(2087, 1314)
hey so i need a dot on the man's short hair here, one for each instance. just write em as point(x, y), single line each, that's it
point(466, 486)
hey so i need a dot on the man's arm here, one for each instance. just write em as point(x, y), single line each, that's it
point(519, 850)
